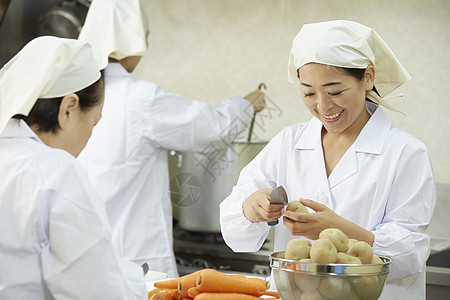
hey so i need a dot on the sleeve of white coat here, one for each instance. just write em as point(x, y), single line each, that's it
point(79, 261)
point(401, 235)
point(239, 233)
point(179, 124)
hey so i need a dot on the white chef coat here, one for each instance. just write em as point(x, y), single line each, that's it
point(55, 237)
point(126, 158)
point(384, 183)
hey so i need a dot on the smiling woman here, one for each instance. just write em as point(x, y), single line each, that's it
point(350, 166)
point(336, 98)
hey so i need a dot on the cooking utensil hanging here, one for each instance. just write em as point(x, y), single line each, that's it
point(250, 131)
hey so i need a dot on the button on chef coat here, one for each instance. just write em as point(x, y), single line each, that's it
point(126, 158)
point(55, 236)
point(384, 183)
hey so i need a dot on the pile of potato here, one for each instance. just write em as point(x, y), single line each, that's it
point(333, 247)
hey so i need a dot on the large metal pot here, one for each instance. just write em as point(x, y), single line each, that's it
point(200, 181)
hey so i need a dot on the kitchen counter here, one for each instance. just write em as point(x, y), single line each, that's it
point(438, 283)
point(438, 274)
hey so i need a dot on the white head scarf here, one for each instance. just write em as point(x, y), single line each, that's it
point(348, 44)
point(47, 67)
point(116, 29)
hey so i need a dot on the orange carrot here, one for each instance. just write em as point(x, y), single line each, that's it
point(193, 291)
point(272, 294)
point(152, 292)
point(210, 280)
point(225, 296)
point(167, 284)
point(166, 295)
point(185, 284)
point(173, 283)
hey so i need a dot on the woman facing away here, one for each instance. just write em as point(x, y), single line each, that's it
point(126, 157)
point(55, 239)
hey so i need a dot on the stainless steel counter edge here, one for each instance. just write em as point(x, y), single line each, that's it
point(438, 276)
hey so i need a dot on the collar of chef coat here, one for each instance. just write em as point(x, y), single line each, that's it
point(371, 140)
point(116, 69)
point(18, 129)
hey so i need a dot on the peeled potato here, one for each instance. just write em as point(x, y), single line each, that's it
point(314, 295)
point(376, 260)
point(305, 260)
point(354, 260)
point(365, 286)
point(352, 296)
point(297, 249)
point(323, 252)
point(285, 281)
point(307, 283)
point(296, 206)
point(363, 251)
point(351, 242)
point(334, 287)
point(342, 258)
point(338, 238)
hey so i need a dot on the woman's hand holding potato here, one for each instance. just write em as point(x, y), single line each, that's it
point(310, 225)
point(257, 207)
point(296, 206)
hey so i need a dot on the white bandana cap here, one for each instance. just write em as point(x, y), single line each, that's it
point(116, 29)
point(348, 44)
point(47, 67)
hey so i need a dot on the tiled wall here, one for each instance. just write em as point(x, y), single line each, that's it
point(211, 49)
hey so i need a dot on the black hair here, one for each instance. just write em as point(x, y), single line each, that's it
point(44, 113)
point(356, 73)
point(359, 75)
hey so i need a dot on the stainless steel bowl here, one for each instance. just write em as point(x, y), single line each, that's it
point(299, 281)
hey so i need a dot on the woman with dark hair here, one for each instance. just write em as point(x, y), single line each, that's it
point(55, 237)
point(352, 168)
point(45, 117)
